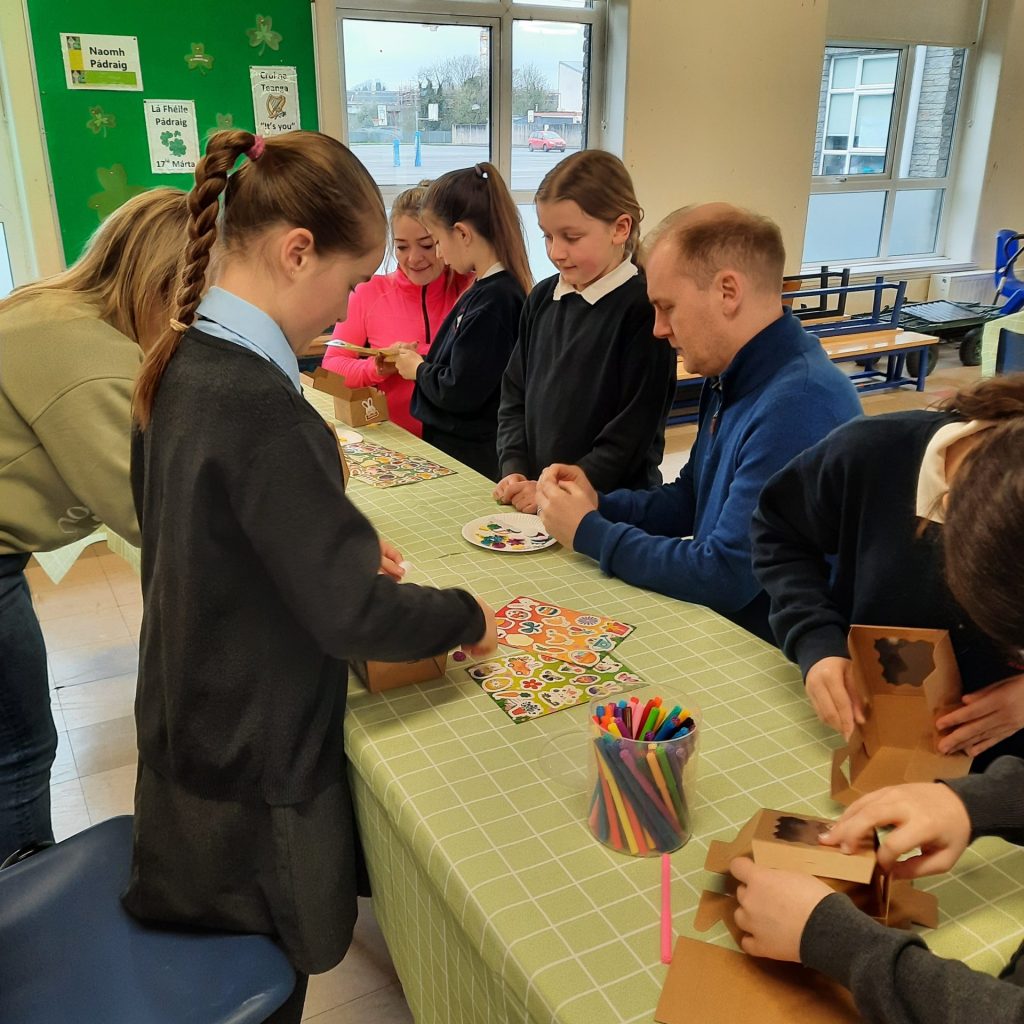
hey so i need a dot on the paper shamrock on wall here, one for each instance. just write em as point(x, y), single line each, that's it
point(115, 191)
point(263, 34)
point(199, 58)
point(225, 121)
point(100, 121)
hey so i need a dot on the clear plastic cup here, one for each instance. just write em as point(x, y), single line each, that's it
point(643, 791)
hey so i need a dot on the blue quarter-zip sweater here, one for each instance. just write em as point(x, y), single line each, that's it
point(691, 539)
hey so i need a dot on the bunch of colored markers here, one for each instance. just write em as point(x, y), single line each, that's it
point(645, 771)
point(631, 720)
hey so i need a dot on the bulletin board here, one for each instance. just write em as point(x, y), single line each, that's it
point(97, 140)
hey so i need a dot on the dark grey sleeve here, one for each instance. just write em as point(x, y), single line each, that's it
point(995, 800)
point(895, 978)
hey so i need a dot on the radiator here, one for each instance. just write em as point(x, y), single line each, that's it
point(967, 286)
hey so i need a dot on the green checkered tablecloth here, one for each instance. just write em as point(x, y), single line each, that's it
point(496, 902)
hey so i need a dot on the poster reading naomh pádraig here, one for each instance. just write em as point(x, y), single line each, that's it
point(101, 62)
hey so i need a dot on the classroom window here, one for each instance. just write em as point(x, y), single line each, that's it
point(883, 152)
point(461, 81)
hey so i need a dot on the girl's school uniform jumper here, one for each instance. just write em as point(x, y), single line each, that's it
point(260, 579)
point(386, 309)
point(588, 384)
point(837, 539)
point(458, 385)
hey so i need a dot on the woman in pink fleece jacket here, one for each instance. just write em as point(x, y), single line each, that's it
point(408, 305)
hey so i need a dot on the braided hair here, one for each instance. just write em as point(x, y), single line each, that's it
point(304, 179)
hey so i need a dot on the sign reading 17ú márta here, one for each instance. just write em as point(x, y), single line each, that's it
point(101, 62)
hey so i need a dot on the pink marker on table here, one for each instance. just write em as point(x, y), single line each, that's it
point(666, 909)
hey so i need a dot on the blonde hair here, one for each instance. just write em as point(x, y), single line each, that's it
point(130, 264)
point(726, 237)
point(601, 187)
point(303, 179)
point(479, 196)
point(408, 203)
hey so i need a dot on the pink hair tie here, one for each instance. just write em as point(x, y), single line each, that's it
point(255, 151)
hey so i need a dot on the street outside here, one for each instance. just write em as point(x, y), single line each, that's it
point(527, 168)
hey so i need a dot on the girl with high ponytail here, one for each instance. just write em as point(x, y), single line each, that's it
point(471, 214)
point(243, 817)
point(852, 531)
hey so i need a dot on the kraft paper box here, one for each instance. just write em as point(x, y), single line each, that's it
point(907, 678)
point(711, 985)
point(788, 840)
point(357, 407)
point(378, 676)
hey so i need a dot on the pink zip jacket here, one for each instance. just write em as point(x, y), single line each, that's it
point(386, 309)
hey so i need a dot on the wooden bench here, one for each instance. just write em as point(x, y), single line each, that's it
point(892, 345)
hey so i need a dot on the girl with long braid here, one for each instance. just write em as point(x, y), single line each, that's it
point(259, 577)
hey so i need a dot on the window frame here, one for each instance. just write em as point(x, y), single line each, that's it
point(499, 16)
point(891, 180)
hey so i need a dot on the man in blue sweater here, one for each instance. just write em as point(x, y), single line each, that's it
point(714, 277)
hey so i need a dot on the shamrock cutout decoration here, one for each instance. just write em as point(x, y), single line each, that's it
point(225, 121)
point(263, 34)
point(100, 121)
point(199, 58)
point(115, 190)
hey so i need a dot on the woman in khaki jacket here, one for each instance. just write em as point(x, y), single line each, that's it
point(70, 348)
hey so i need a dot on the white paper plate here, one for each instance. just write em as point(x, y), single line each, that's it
point(346, 435)
point(512, 533)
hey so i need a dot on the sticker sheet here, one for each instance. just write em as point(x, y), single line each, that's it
point(526, 687)
point(549, 632)
point(383, 467)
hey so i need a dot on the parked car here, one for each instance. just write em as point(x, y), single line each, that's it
point(545, 142)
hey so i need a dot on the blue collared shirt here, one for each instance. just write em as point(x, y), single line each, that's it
point(224, 315)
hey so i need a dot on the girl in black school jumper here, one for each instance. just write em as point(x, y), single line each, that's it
point(259, 577)
point(471, 214)
point(850, 532)
point(588, 383)
point(893, 976)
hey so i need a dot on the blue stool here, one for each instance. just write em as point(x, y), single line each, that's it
point(70, 952)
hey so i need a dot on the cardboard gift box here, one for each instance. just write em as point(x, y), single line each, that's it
point(357, 407)
point(378, 676)
point(907, 678)
point(788, 841)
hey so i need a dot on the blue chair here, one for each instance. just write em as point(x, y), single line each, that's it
point(1010, 352)
point(1008, 286)
point(70, 952)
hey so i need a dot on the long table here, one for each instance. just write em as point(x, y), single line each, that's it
point(496, 902)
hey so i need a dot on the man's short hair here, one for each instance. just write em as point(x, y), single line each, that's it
point(726, 238)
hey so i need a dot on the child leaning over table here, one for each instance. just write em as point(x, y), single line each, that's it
point(788, 916)
point(260, 578)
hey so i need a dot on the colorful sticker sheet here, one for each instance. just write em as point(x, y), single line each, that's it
point(526, 687)
point(504, 533)
point(549, 632)
point(383, 467)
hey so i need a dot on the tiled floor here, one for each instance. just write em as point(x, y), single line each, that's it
point(91, 623)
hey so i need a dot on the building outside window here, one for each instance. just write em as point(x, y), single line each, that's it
point(464, 81)
point(883, 152)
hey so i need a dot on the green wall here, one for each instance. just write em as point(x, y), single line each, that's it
point(81, 159)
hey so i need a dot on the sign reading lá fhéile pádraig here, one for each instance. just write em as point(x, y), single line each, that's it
point(275, 99)
point(101, 62)
point(172, 136)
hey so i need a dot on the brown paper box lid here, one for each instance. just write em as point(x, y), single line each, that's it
point(334, 384)
point(710, 985)
point(788, 841)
